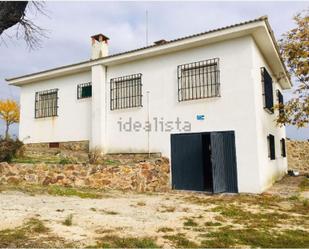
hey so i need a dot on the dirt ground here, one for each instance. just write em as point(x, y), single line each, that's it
point(279, 218)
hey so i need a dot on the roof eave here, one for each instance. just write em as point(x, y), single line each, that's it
point(176, 45)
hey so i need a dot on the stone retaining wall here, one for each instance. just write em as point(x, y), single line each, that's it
point(142, 176)
point(298, 155)
point(73, 146)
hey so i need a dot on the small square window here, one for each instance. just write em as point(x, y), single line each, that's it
point(84, 90)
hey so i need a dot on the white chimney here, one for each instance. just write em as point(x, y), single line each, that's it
point(99, 46)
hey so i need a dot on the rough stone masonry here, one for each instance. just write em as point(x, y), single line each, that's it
point(298, 155)
point(142, 176)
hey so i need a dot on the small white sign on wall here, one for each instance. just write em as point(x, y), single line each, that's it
point(200, 117)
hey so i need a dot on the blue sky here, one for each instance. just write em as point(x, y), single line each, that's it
point(70, 25)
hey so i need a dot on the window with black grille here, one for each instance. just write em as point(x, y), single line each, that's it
point(280, 102)
point(271, 147)
point(199, 80)
point(126, 92)
point(283, 150)
point(84, 90)
point(267, 83)
point(46, 103)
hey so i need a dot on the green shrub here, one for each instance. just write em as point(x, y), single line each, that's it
point(9, 148)
point(68, 220)
point(64, 160)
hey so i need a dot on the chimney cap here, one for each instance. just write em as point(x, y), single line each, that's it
point(160, 42)
point(97, 37)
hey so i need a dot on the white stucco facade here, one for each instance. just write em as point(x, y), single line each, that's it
point(239, 107)
point(74, 115)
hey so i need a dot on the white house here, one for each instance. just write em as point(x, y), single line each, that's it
point(205, 101)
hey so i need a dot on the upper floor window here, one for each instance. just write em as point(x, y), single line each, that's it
point(46, 103)
point(271, 147)
point(199, 80)
point(84, 90)
point(267, 83)
point(283, 150)
point(280, 102)
point(126, 92)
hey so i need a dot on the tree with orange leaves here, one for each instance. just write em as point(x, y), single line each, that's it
point(9, 112)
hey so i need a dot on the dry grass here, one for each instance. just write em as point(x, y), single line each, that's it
point(55, 190)
point(113, 241)
point(175, 220)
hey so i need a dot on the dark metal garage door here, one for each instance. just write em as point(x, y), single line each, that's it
point(187, 160)
point(223, 160)
point(188, 164)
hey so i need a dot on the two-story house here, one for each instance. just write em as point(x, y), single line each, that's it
point(204, 101)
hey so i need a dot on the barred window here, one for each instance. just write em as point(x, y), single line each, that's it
point(126, 92)
point(84, 90)
point(283, 150)
point(267, 84)
point(199, 80)
point(46, 103)
point(271, 147)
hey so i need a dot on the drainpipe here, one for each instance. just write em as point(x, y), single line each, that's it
point(148, 130)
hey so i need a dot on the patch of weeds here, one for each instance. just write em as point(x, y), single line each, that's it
point(24, 160)
point(25, 235)
point(141, 203)
point(300, 207)
point(68, 220)
point(36, 225)
point(306, 203)
point(294, 198)
point(221, 239)
point(180, 241)
point(260, 219)
point(304, 185)
point(166, 209)
point(199, 229)
point(113, 241)
point(33, 189)
point(190, 223)
point(185, 209)
point(212, 224)
point(198, 217)
point(93, 209)
point(41, 159)
point(111, 162)
point(220, 218)
point(100, 231)
point(67, 191)
point(165, 229)
point(12, 237)
point(109, 212)
point(64, 160)
point(256, 238)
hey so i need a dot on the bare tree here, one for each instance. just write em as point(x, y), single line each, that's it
point(15, 13)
